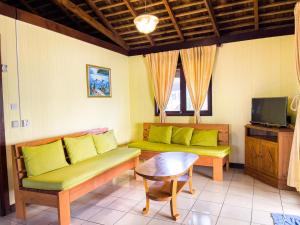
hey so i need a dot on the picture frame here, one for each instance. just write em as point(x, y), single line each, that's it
point(98, 81)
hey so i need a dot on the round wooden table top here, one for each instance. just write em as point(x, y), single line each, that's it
point(167, 165)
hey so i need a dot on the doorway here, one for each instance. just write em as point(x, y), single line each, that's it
point(4, 192)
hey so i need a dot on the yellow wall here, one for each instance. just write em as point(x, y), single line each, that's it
point(52, 80)
point(256, 68)
point(53, 85)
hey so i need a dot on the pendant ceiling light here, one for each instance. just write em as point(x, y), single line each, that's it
point(146, 23)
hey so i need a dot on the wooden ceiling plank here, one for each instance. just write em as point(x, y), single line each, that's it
point(156, 33)
point(196, 26)
point(174, 21)
point(197, 19)
point(212, 16)
point(27, 6)
point(110, 5)
point(187, 5)
point(276, 13)
point(66, 12)
point(117, 13)
point(237, 26)
point(166, 38)
point(234, 12)
point(233, 4)
point(138, 42)
point(276, 4)
point(104, 20)
point(94, 23)
point(291, 18)
point(199, 32)
point(124, 19)
point(256, 16)
point(236, 19)
point(148, 6)
point(134, 13)
point(188, 13)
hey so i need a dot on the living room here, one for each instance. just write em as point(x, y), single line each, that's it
point(47, 91)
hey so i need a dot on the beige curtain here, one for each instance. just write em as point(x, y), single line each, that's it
point(294, 165)
point(198, 64)
point(162, 67)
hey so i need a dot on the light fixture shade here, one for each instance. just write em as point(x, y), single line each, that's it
point(146, 23)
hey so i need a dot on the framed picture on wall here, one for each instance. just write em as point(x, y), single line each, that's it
point(98, 81)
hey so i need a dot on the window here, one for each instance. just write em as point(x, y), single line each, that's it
point(180, 102)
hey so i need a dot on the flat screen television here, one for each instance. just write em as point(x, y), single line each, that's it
point(270, 111)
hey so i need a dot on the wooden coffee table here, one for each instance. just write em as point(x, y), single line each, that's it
point(170, 171)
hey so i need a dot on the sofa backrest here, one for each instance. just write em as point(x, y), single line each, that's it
point(223, 137)
point(18, 159)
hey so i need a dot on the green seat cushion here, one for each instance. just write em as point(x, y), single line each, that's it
point(205, 138)
point(182, 135)
point(44, 158)
point(160, 134)
point(80, 148)
point(68, 177)
point(218, 151)
point(105, 142)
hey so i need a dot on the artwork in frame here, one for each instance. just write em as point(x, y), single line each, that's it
point(98, 81)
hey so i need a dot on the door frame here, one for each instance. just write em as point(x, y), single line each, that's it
point(4, 190)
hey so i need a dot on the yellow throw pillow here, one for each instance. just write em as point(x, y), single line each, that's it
point(105, 142)
point(80, 148)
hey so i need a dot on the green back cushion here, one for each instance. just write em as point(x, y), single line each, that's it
point(105, 142)
point(205, 138)
point(44, 158)
point(160, 134)
point(80, 148)
point(182, 135)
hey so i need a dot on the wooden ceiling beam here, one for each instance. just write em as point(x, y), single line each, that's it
point(91, 21)
point(237, 19)
point(134, 13)
point(234, 12)
point(199, 32)
point(110, 5)
point(291, 18)
point(174, 21)
point(237, 26)
point(196, 26)
point(256, 16)
point(166, 38)
point(148, 6)
point(233, 4)
point(190, 12)
point(187, 5)
point(276, 13)
point(197, 19)
point(117, 13)
point(104, 20)
point(212, 16)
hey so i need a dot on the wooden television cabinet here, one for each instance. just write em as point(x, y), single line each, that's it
point(267, 154)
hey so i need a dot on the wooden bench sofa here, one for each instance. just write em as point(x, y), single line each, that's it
point(215, 160)
point(60, 199)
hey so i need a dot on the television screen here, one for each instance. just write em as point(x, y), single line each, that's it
point(270, 111)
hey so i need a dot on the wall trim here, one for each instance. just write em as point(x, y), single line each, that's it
point(33, 19)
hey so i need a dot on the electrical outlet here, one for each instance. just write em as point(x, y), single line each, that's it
point(4, 68)
point(25, 123)
point(15, 123)
point(13, 106)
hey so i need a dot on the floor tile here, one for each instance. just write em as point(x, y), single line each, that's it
point(185, 203)
point(258, 185)
point(262, 217)
point(212, 197)
point(122, 204)
point(107, 216)
point(207, 207)
point(135, 194)
point(244, 192)
point(160, 222)
point(85, 212)
point(227, 221)
point(293, 209)
point(132, 219)
point(290, 197)
point(196, 218)
point(165, 214)
point(237, 200)
point(217, 188)
point(154, 208)
point(236, 212)
point(270, 205)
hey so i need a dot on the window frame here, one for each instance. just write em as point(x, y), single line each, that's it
point(183, 111)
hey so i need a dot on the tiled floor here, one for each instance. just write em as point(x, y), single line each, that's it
point(238, 200)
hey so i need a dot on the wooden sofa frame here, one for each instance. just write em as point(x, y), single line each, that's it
point(58, 199)
point(215, 162)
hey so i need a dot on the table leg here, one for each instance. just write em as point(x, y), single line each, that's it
point(192, 191)
point(146, 209)
point(174, 213)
